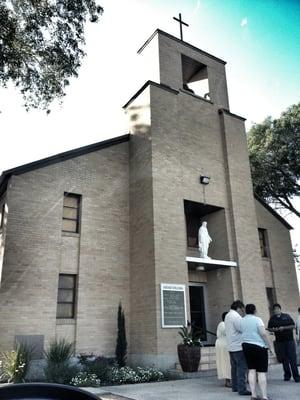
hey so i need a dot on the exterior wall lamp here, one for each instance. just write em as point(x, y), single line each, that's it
point(204, 180)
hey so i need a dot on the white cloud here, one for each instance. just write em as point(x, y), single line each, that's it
point(197, 7)
point(244, 22)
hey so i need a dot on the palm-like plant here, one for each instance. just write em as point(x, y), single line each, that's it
point(59, 368)
point(60, 351)
point(14, 364)
point(190, 336)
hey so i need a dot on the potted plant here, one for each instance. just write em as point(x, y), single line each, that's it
point(189, 351)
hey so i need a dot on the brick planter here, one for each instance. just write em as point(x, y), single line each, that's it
point(189, 357)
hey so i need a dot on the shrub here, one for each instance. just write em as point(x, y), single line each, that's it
point(149, 374)
point(100, 366)
point(85, 379)
point(85, 358)
point(123, 375)
point(156, 375)
point(15, 363)
point(138, 375)
point(58, 358)
point(121, 347)
point(60, 372)
point(60, 351)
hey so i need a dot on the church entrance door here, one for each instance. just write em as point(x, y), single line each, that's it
point(197, 308)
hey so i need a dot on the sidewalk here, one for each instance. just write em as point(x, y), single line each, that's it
point(208, 388)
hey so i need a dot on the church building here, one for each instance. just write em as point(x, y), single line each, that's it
point(118, 221)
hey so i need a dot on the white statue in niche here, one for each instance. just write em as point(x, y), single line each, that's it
point(203, 240)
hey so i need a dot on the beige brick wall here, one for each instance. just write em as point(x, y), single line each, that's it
point(142, 264)
point(281, 265)
point(268, 272)
point(186, 143)
point(36, 251)
point(243, 214)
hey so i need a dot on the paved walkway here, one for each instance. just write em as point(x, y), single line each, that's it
point(208, 388)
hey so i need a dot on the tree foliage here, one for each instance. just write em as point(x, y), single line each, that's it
point(41, 45)
point(274, 149)
point(121, 347)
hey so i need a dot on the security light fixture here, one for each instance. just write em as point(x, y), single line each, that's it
point(204, 180)
point(200, 268)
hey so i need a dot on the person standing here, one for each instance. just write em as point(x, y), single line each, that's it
point(282, 326)
point(298, 337)
point(222, 355)
point(255, 344)
point(234, 339)
point(298, 325)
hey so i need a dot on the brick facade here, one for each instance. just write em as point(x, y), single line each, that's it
point(133, 228)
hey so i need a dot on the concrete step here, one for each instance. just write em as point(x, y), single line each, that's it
point(176, 374)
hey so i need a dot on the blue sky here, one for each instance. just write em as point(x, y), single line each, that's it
point(259, 39)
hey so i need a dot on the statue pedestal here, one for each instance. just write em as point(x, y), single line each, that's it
point(208, 264)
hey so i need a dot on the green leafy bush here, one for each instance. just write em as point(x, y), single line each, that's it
point(85, 358)
point(60, 351)
point(190, 337)
point(60, 372)
point(91, 370)
point(15, 363)
point(123, 375)
point(59, 368)
point(100, 366)
point(139, 375)
point(85, 379)
point(150, 374)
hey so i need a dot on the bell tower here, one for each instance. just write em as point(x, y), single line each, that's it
point(181, 129)
point(181, 66)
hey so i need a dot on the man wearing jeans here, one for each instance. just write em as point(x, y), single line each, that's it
point(234, 339)
point(282, 325)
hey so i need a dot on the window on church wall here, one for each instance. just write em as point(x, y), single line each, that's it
point(195, 77)
point(263, 242)
point(71, 212)
point(66, 296)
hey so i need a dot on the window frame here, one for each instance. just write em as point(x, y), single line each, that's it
point(74, 297)
point(263, 243)
point(78, 209)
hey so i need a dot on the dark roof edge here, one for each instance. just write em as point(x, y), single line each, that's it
point(224, 111)
point(148, 83)
point(273, 212)
point(179, 41)
point(60, 157)
point(147, 41)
